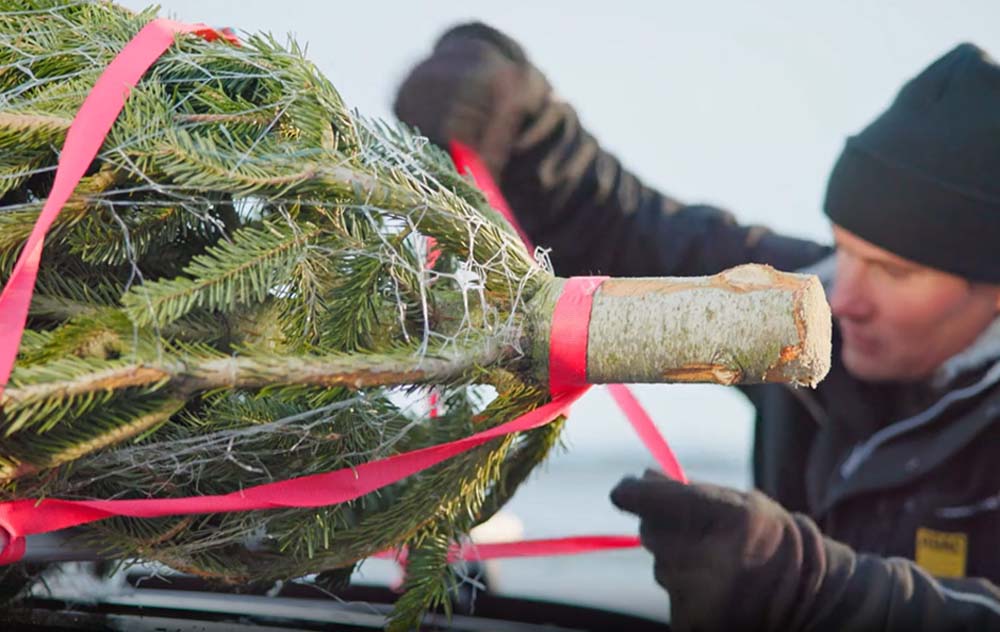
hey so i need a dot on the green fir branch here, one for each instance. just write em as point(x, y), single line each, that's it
point(235, 294)
point(249, 268)
point(124, 420)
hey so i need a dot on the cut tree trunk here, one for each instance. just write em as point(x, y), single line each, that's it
point(747, 325)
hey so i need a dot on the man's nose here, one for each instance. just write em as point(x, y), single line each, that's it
point(849, 297)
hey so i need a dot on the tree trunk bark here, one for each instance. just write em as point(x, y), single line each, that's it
point(747, 325)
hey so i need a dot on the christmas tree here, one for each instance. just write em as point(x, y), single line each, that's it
point(238, 292)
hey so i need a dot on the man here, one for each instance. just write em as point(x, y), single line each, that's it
point(894, 455)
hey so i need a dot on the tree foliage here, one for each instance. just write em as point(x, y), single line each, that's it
point(236, 294)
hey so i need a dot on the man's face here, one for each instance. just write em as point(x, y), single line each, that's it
point(900, 320)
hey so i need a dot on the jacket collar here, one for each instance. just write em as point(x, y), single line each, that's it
point(985, 350)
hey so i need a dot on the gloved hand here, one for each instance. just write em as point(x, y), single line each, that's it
point(476, 87)
point(729, 560)
point(735, 561)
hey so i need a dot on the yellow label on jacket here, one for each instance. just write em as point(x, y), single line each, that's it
point(941, 553)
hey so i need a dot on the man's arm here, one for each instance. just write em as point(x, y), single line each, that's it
point(570, 195)
point(739, 561)
point(865, 592)
point(578, 199)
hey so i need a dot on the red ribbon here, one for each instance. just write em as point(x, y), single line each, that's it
point(572, 545)
point(466, 160)
point(20, 518)
point(83, 140)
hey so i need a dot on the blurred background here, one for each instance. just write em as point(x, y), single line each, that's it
point(743, 105)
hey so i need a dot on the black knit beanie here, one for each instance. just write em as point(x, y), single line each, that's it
point(923, 180)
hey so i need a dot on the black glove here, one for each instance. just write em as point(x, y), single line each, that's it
point(735, 561)
point(729, 560)
point(476, 87)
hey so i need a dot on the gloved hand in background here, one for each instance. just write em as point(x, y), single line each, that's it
point(476, 87)
point(726, 558)
point(733, 560)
